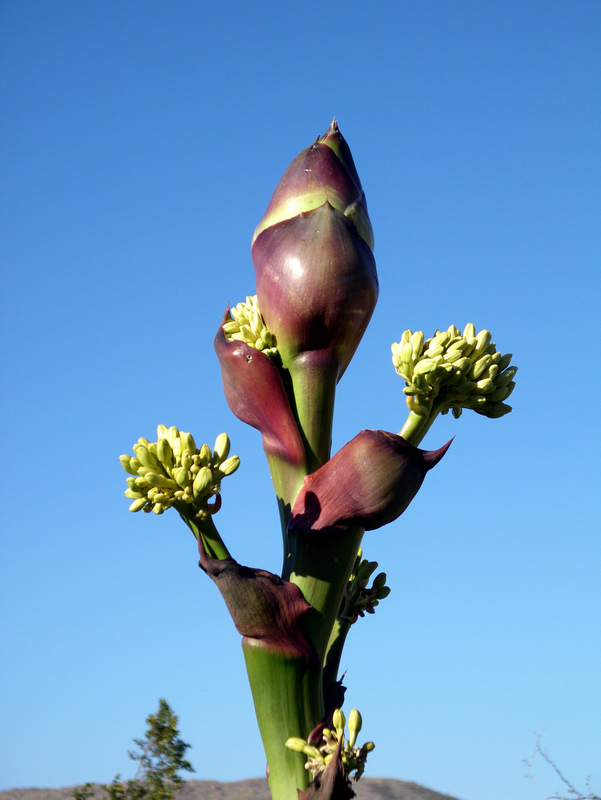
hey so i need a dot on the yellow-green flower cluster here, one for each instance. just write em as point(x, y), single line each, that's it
point(247, 325)
point(358, 598)
point(353, 758)
point(454, 370)
point(173, 471)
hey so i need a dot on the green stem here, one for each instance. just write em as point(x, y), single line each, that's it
point(287, 479)
point(331, 668)
point(417, 426)
point(288, 702)
point(212, 541)
point(313, 387)
point(320, 565)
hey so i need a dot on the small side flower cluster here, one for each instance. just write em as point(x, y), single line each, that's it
point(353, 758)
point(358, 598)
point(173, 470)
point(454, 370)
point(247, 325)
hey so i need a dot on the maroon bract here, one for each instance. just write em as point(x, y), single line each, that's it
point(263, 607)
point(255, 393)
point(368, 483)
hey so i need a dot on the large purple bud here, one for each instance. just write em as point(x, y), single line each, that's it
point(316, 276)
point(368, 483)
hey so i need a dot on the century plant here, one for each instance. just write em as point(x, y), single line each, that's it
point(282, 353)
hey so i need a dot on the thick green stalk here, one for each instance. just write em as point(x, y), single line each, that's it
point(287, 478)
point(313, 378)
point(288, 702)
point(320, 565)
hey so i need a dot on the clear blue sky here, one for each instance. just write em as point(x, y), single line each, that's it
point(141, 142)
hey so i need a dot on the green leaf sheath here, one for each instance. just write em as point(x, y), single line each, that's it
point(320, 565)
point(287, 696)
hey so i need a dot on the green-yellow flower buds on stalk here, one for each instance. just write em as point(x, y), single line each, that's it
point(451, 370)
point(353, 758)
point(358, 598)
point(173, 471)
point(247, 325)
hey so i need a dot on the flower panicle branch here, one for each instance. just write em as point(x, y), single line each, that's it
point(359, 598)
point(451, 371)
point(353, 757)
point(246, 324)
point(173, 471)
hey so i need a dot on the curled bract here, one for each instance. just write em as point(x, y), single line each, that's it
point(266, 610)
point(368, 483)
point(255, 393)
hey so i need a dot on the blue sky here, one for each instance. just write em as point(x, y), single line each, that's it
point(141, 144)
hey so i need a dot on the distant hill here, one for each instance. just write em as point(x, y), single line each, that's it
point(255, 789)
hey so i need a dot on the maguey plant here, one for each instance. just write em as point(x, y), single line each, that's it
point(282, 353)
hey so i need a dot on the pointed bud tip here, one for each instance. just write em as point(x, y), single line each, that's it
point(331, 131)
point(432, 457)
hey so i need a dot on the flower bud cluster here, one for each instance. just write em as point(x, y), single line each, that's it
point(358, 598)
point(353, 758)
point(458, 370)
point(173, 471)
point(247, 325)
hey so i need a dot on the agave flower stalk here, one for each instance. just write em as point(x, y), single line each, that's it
point(281, 355)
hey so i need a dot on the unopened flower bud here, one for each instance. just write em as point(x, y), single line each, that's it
point(316, 278)
point(354, 726)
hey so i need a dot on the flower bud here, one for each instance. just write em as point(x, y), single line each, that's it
point(316, 284)
point(355, 723)
point(324, 171)
point(312, 253)
point(316, 278)
point(368, 483)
